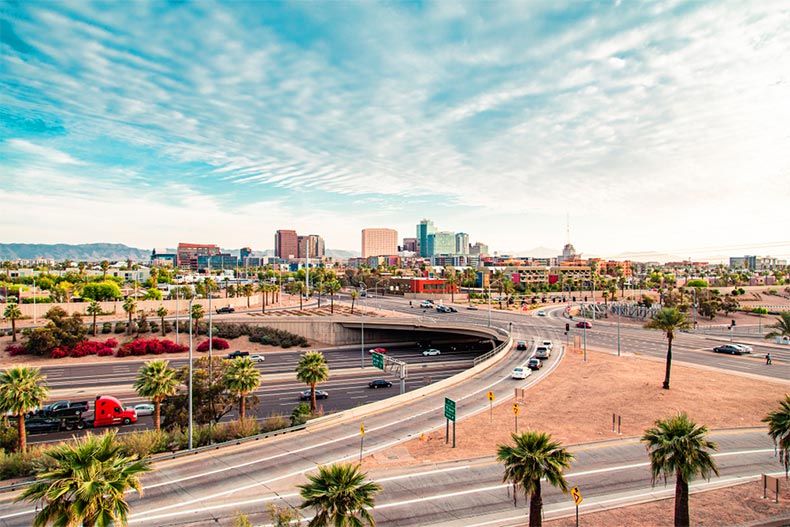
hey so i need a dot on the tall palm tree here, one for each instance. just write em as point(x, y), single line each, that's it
point(197, 314)
point(130, 306)
point(155, 381)
point(779, 430)
point(298, 288)
point(354, 295)
point(534, 457)
point(162, 313)
point(452, 280)
point(340, 496)
point(94, 308)
point(22, 391)
point(780, 329)
point(263, 289)
point(248, 290)
point(241, 378)
point(332, 287)
point(311, 370)
point(88, 484)
point(678, 446)
point(668, 320)
point(13, 313)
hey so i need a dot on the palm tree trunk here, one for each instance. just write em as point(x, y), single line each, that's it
point(22, 432)
point(242, 401)
point(13, 330)
point(129, 325)
point(313, 404)
point(681, 502)
point(332, 303)
point(536, 508)
point(352, 304)
point(163, 326)
point(669, 363)
point(263, 304)
point(157, 415)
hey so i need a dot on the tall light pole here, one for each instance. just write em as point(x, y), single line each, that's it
point(489, 298)
point(619, 308)
point(177, 317)
point(362, 318)
point(189, 381)
point(584, 323)
point(35, 318)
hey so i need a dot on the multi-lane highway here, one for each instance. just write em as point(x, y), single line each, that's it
point(206, 489)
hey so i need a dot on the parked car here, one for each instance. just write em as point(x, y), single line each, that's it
point(431, 351)
point(379, 383)
point(521, 345)
point(541, 313)
point(319, 394)
point(542, 352)
point(583, 324)
point(257, 358)
point(237, 354)
point(426, 303)
point(534, 363)
point(520, 373)
point(732, 349)
point(144, 409)
point(377, 350)
point(226, 309)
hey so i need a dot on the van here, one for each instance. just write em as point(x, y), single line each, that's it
point(542, 352)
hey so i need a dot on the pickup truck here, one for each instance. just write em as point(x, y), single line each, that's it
point(225, 309)
point(237, 354)
point(63, 409)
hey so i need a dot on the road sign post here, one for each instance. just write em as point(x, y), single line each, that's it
point(577, 499)
point(515, 413)
point(449, 413)
point(361, 440)
point(490, 407)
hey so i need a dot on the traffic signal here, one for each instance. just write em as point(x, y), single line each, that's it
point(733, 322)
point(567, 327)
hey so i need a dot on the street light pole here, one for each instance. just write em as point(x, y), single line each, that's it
point(190, 373)
point(619, 308)
point(584, 323)
point(177, 288)
point(362, 319)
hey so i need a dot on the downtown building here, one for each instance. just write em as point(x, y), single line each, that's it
point(379, 242)
point(290, 246)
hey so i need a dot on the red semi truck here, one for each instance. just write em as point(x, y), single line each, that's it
point(108, 411)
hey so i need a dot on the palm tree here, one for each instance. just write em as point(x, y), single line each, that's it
point(162, 313)
point(88, 484)
point(340, 495)
point(94, 308)
point(298, 288)
point(452, 280)
point(668, 320)
point(354, 295)
point(534, 457)
point(779, 430)
point(248, 290)
point(13, 313)
point(21, 392)
point(130, 306)
point(781, 328)
point(263, 289)
point(311, 370)
point(678, 446)
point(241, 378)
point(332, 287)
point(197, 314)
point(155, 381)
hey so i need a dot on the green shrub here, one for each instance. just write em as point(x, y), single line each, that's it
point(9, 437)
point(120, 327)
point(25, 464)
point(106, 328)
point(276, 421)
point(145, 443)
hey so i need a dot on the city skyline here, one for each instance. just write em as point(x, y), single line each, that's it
point(652, 127)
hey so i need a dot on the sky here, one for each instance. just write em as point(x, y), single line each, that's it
point(634, 126)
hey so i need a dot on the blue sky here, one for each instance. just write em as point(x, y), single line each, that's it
point(653, 125)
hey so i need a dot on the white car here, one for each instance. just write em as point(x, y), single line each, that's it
point(520, 373)
point(547, 344)
point(541, 313)
point(257, 358)
point(144, 409)
point(431, 351)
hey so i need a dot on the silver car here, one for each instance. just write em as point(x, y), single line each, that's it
point(144, 409)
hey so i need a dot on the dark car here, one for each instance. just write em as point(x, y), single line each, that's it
point(534, 364)
point(379, 383)
point(583, 324)
point(521, 345)
point(42, 425)
point(237, 354)
point(443, 309)
point(226, 309)
point(319, 394)
point(732, 349)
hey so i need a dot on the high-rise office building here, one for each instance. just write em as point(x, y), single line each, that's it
point(479, 248)
point(188, 253)
point(441, 243)
point(379, 242)
point(424, 229)
point(411, 245)
point(461, 243)
point(311, 245)
point(286, 244)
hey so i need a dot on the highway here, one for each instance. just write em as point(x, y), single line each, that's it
point(207, 488)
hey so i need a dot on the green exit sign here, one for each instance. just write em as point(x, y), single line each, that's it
point(378, 361)
point(449, 409)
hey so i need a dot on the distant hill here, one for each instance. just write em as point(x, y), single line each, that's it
point(88, 252)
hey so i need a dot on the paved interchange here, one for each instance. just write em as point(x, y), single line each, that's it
point(207, 488)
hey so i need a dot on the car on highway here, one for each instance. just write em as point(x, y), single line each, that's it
point(534, 363)
point(542, 352)
point(583, 324)
point(379, 383)
point(426, 303)
point(541, 313)
point(745, 348)
point(238, 354)
point(42, 425)
point(473, 308)
point(547, 344)
point(377, 350)
point(520, 373)
point(144, 409)
point(446, 309)
point(732, 349)
point(319, 394)
point(431, 352)
point(257, 358)
point(226, 309)
point(521, 345)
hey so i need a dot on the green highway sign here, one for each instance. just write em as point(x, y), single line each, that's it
point(449, 410)
point(378, 361)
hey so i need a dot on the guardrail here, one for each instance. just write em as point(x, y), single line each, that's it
point(484, 357)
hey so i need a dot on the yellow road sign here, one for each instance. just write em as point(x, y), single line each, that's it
point(577, 496)
point(362, 430)
point(515, 409)
point(491, 396)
